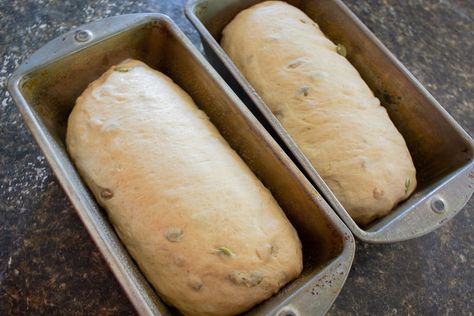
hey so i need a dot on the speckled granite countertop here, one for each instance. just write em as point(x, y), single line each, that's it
point(48, 263)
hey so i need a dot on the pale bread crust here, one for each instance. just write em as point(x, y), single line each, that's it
point(324, 104)
point(175, 192)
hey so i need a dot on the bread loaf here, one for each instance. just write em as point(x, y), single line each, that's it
point(324, 104)
point(203, 229)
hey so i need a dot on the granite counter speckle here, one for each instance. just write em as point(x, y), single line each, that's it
point(48, 263)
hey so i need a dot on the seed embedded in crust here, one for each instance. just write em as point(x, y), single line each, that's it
point(195, 282)
point(304, 90)
point(279, 114)
point(266, 251)
point(179, 261)
point(378, 193)
point(248, 279)
point(364, 162)
point(295, 63)
point(106, 194)
point(341, 50)
point(224, 251)
point(407, 185)
point(121, 69)
point(174, 234)
point(256, 278)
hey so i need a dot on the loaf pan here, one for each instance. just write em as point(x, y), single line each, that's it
point(442, 151)
point(46, 86)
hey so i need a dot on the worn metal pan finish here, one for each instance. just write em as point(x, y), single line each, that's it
point(45, 89)
point(442, 151)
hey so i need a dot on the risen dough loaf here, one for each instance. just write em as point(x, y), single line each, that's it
point(324, 104)
point(204, 230)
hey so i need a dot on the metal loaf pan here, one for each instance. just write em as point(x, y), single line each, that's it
point(46, 86)
point(442, 151)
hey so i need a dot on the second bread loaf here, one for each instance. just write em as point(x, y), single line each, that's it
point(324, 104)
